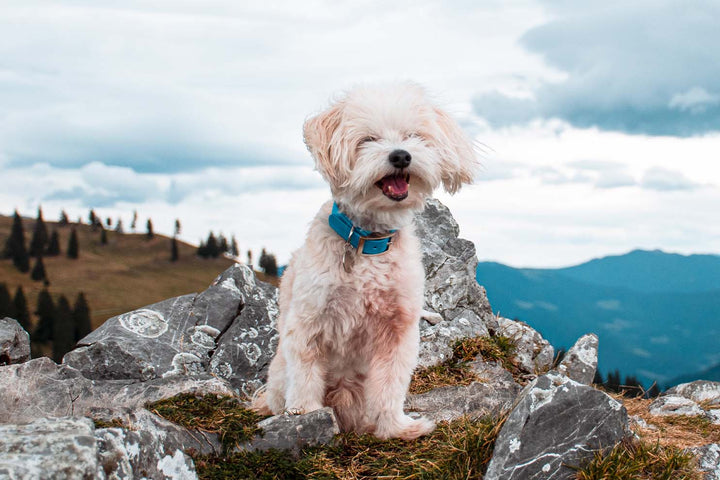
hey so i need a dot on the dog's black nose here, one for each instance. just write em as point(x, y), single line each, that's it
point(399, 158)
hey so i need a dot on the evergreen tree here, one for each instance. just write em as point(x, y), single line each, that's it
point(22, 314)
point(38, 272)
point(613, 381)
point(15, 246)
point(6, 306)
point(64, 220)
point(223, 246)
point(150, 234)
point(46, 317)
point(73, 248)
point(133, 225)
point(81, 317)
point(234, 250)
point(598, 379)
point(40, 236)
point(108, 222)
point(250, 258)
point(103, 237)
point(53, 248)
point(268, 263)
point(174, 255)
point(119, 226)
point(93, 219)
point(202, 250)
point(211, 246)
point(177, 227)
point(63, 329)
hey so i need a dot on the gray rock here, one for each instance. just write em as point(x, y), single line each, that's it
point(699, 391)
point(580, 362)
point(49, 448)
point(533, 354)
point(150, 447)
point(293, 432)
point(708, 460)
point(556, 422)
point(245, 350)
point(41, 388)
point(451, 289)
point(14, 342)
point(674, 405)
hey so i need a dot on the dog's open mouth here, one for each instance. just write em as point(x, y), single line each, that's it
point(395, 187)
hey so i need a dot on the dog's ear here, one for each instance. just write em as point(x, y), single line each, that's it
point(323, 139)
point(457, 154)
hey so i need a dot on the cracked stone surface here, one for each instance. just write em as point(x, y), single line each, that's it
point(41, 388)
point(708, 460)
point(245, 350)
point(451, 289)
point(533, 353)
point(14, 342)
point(673, 405)
point(556, 422)
point(293, 432)
point(699, 391)
point(49, 448)
point(580, 362)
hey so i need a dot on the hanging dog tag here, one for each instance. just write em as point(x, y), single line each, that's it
point(348, 258)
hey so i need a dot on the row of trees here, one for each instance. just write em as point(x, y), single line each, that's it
point(59, 323)
point(214, 247)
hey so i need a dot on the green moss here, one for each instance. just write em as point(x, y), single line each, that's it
point(456, 450)
point(639, 460)
point(211, 413)
point(456, 371)
point(114, 423)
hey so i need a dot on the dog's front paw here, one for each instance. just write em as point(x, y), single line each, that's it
point(407, 429)
point(293, 411)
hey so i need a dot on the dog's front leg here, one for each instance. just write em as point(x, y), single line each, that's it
point(305, 376)
point(387, 382)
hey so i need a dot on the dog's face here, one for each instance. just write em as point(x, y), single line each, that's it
point(384, 149)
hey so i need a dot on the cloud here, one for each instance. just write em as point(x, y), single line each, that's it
point(661, 179)
point(639, 67)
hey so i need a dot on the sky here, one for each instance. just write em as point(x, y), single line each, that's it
point(598, 122)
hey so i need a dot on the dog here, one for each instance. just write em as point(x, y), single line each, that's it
point(351, 297)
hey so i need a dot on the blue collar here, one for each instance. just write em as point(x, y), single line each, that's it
point(371, 243)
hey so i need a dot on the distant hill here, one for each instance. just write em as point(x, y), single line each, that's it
point(127, 273)
point(657, 314)
point(651, 271)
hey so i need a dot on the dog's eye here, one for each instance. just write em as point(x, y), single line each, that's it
point(413, 135)
point(367, 139)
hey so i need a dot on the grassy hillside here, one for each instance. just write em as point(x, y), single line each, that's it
point(127, 273)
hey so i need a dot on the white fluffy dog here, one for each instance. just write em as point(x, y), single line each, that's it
point(352, 296)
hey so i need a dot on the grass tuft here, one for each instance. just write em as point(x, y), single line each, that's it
point(211, 413)
point(631, 460)
point(456, 369)
point(114, 423)
point(457, 450)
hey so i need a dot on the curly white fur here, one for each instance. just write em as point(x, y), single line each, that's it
point(350, 340)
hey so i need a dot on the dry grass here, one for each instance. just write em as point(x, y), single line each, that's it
point(672, 431)
point(640, 460)
point(211, 413)
point(456, 369)
point(457, 450)
point(127, 273)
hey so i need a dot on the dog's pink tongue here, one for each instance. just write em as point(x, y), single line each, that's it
point(395, 185)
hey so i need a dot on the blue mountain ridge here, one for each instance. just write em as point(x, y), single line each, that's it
point(657, 314)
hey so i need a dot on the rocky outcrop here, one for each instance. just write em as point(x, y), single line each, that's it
point(701, 391)
point(708, 461)
point(14, 342)
point(451, 289)
point(556, 422)
point(41, 388)
point(580, 362)
point(533, 354)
